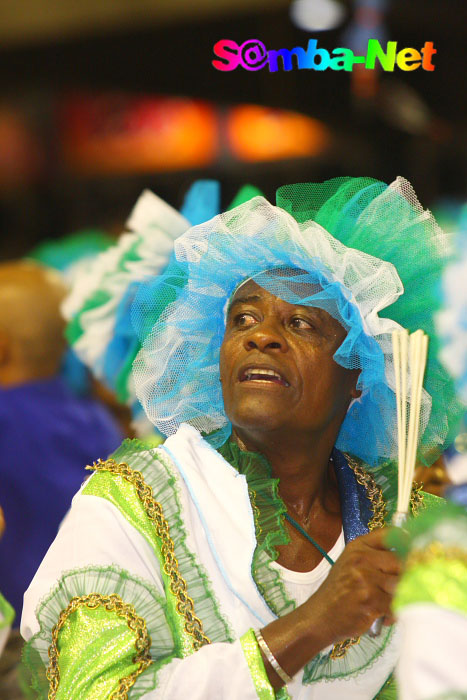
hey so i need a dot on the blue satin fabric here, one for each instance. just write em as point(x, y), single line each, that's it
point(355, 505)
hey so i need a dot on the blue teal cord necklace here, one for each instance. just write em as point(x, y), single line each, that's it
point(309, 538)
point(288, 517)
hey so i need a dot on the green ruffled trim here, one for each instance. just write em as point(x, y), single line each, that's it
point(358, 659)
point(270, 533)
point(388, 691)
point(128, 447)
point(7, 613)
point(268, 510)
point(158, 474)
point(147, 601)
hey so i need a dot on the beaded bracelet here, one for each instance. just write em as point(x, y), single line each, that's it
point(271, 658)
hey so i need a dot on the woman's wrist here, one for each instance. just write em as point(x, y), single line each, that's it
point(293, 640)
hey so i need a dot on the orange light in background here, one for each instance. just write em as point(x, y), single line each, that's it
point(123, 134)
point(259, 133)
point(21, 154)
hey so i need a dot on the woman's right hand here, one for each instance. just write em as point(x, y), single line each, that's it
point(358, 590)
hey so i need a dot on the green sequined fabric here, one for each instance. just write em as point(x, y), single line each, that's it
point(157, 473)
point(97, 635)
point(435, 549)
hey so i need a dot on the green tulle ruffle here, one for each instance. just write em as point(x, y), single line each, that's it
point(389, 223)
point(389, 690)
point(95, 649)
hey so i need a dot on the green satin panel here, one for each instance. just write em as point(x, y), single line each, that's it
point(96, 650)
point(440, 581)
point(124, 497)
point(263, 687)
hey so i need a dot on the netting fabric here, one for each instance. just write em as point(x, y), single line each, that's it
point(98, 307)
point(177, 369)
point(390, 223)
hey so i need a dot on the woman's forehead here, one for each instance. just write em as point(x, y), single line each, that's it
point(250, 292)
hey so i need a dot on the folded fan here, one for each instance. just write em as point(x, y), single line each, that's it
point(410, 353)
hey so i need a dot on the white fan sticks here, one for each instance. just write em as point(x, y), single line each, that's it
point(410, 353)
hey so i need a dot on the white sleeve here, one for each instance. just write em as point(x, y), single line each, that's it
point(95, 533)
point(432, 662)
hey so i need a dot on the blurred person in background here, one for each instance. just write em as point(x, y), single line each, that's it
point(42, 426)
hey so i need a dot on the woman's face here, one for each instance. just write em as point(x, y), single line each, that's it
point(277, 368)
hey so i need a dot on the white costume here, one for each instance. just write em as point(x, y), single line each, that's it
point(101, 549)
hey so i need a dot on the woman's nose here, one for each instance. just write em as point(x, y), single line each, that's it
point(265, 337)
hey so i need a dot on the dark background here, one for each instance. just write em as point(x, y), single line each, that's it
point(376, 135)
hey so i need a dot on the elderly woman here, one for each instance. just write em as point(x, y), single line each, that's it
point(243, 558)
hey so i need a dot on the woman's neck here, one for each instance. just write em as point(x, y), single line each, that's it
point(301, 463)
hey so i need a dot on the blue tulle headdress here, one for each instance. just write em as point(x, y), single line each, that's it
point(180, 316)
point(177, 369)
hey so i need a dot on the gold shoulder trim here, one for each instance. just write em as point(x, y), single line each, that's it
point(416, 498)
point(373, 491)
point(378, 506)
point(112, 603)
point(185, 604)
point(436, 550)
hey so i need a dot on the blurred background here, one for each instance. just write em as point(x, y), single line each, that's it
point(100, 99)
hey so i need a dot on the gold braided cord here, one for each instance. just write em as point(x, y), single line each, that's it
point(436, 550)
point(112, 603)
point(416, 498)
point(373, 491)
point(255, 510)
point(378, 505)
point(375, 495)
point(185, 605)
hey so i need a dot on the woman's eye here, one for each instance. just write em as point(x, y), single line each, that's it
point(244, 319)
point(302, 324)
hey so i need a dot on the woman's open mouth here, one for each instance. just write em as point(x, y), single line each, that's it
point(263, 376)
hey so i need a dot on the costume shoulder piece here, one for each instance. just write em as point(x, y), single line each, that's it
point(144, 486)
point(435, 550)
point(168, 614)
